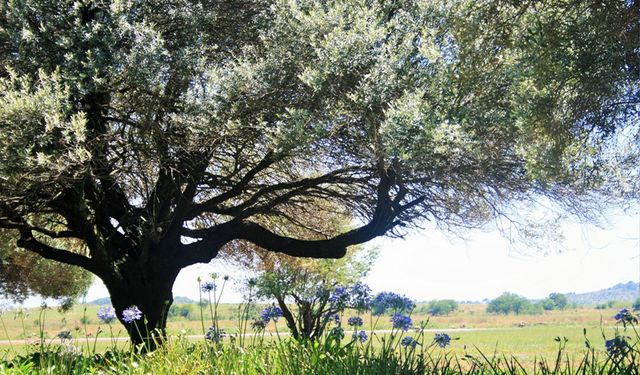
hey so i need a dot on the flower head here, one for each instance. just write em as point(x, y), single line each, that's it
point(359, 336)
point(270, 313)
point(401, 322)
point(208, 286)
point(617, 346)
point(64, 335)
point(332, 317)
point(106, 314)
point(131, 314)
point(215, 334)
point(385, 301)
point(442, 339)
point(258, 325)
point(336, 333)
point(355, 321)
point(339, 298)
point(625, 317)
point(409, 341)
point(360, 297)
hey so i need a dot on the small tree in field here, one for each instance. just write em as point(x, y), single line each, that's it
point(155, 133)
point(560, 300)
point(442, 307)
point(509, 303)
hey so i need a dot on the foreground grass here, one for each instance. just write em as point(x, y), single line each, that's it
point(181, 356)
point(567, 343)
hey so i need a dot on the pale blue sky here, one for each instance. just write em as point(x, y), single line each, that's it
point(429, 265)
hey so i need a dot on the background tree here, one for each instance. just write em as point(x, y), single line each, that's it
point(23, 274)
point(442, 307)
point(560, 300)
point(303, 288)
point(509, 303)
point(156, 133)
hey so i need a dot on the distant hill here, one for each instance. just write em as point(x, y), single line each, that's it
point(107, 301)
point(100, 301)
point(183, 300)
point(619, 292)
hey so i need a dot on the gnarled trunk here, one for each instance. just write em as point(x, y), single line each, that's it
point(151, 293)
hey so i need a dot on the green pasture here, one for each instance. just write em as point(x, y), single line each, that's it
point(526, 337)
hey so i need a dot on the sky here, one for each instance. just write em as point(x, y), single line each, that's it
point(429, 264)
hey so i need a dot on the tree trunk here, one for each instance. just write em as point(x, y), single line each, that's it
point(152, 296)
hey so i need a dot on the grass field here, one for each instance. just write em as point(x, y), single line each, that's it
point(524, 336)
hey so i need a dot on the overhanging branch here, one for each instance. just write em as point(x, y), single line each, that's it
point(28, 242)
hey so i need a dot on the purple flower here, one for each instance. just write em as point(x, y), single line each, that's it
point(401, 322)
point(355, 321)
point(617, 346)
point(334, 317)
point(442, 339)
point(409, 341)
point(270, 313)
point(625, 317)
point(360, 297)
point(391, 301)
point(131, 314)
point(336, 333)
point(360, 336)
point(64, 335)
point(208, 286)
point(339, 298)
point(258, 325)
point(216, 335)
point(107, 314)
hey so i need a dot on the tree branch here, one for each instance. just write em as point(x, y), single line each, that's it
point(236, 190)
point(28, 242)
point(382, 220)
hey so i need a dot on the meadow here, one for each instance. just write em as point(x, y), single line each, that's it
point(551, 342)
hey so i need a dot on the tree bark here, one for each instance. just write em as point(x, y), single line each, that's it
point(153, 296)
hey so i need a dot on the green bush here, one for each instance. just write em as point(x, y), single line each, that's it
point(442, 307)
point(512, 303)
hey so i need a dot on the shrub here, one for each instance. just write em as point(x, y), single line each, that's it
point(510, 302)
point(442, 307)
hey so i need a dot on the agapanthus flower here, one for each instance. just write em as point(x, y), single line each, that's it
point(617, 346)
point(208, 286)
point(401, 322)
point(442, 339)
point(64, 335)
point(332, 317)
point(409, 341)
point(354, 321)
point(270, 313)
point(258, 325)
point(106, 314)
point(360, 297)
point(339, 298)
point(625, 317)
point(131, 314)
point(359, 336)
point(215, 334)
point(385, 301)
point(337, 333)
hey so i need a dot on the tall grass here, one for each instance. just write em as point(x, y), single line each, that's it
point(382, 354)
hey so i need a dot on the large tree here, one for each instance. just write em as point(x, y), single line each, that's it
point(158, 132)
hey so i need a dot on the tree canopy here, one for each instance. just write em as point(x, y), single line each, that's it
point(156, 133)
point(24, 273)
